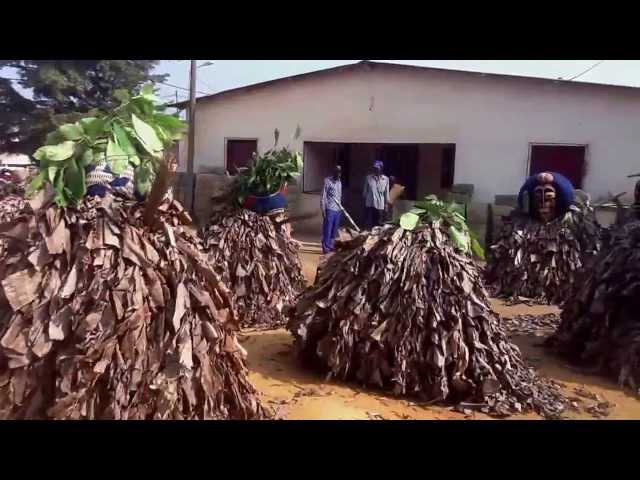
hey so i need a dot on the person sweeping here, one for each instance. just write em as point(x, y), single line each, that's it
point(330, 206)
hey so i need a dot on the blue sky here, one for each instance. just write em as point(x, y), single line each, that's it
point(226, 74)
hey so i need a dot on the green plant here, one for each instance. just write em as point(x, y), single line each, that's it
point(135, 133)
point(436, 211)
point(270, 171)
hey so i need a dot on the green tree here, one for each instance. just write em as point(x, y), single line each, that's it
point(62, 90)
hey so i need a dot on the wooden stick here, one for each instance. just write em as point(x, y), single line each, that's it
point(166, 171)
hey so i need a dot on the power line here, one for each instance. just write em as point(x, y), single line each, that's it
point(206, 85)
point(182, 88)
point(587, 70)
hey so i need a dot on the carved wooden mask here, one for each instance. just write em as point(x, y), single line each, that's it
point(544, 198)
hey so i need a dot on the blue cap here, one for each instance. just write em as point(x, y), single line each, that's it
point(378, 164)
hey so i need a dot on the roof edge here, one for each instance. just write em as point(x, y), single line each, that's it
point(399, 66)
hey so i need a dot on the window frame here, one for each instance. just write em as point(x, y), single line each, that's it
point(558, 144)
point(226, 147)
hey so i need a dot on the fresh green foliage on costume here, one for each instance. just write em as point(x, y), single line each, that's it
point(135, 134)
point(448, 214)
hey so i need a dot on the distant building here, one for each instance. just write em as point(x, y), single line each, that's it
point(432, 127)
point(11, 160)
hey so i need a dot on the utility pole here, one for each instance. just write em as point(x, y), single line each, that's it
point(192, 137)
point(192, 117)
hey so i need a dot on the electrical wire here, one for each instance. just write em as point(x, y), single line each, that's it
point(587, 70)
point(182, 88)
point(206, 85)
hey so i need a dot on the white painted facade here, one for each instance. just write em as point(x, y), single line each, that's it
point(492, 119)
point(14, 160)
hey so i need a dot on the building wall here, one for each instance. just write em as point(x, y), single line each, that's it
point(491, 120)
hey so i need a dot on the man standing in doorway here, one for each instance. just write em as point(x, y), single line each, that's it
point(376, 196)
point(330, 205)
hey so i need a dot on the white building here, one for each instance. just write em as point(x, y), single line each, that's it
point(432, 127)
point(11, 160)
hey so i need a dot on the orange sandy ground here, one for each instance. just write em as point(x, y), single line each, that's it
point(296, 394)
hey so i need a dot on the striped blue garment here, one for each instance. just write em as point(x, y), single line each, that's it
point(100, 179)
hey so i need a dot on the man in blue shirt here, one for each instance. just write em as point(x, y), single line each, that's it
point(330, 205)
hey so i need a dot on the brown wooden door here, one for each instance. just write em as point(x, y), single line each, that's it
point(239, 154)
point(564, 159)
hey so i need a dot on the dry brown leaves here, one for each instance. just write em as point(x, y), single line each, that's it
point(540, 261)
point(101, 318)
point(600, 324)
point(406, 312)
point(536, 325)
point(12, 204)
point(258, 259)
point(591, 403)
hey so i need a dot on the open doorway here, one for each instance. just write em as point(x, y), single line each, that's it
point(422, 168)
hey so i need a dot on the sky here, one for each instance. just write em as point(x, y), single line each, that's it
point(226, 74)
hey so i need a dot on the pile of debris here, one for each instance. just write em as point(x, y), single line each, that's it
point(539, 260)
point(600, 325)
point(103, 316)
point(257, 257)
point(537, 325)
point(12, 202)
point(591, 403)
point(406, 311)
point(11, 195)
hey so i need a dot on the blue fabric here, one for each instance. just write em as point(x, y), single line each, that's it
point(120, 182)
point(330, 227)
point(564, 191)
point(267, 204)
point(96, 190)
point(100, 189)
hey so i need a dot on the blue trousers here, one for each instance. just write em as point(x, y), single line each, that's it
point(330, 229)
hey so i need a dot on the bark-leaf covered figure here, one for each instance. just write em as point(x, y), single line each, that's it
point(537, 255)
point(257, 258)
point(107, 312)
point(600, 326)
point(405, 310)
point(250, 243)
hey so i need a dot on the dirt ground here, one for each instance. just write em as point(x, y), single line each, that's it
point(296, 394)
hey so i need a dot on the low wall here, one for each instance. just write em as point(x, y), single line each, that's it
point(304, 209)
